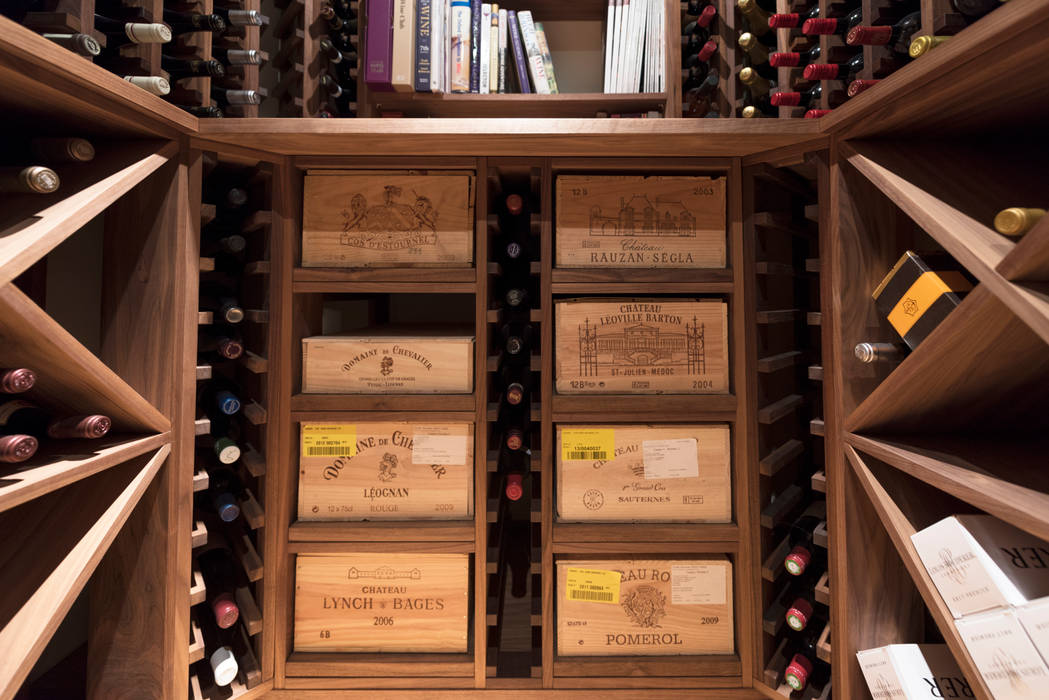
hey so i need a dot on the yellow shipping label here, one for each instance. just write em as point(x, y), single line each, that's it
point(593, 585)
point(329, 439)
point(599, 443)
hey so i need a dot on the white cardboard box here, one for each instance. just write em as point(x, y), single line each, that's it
point(980, 563)
point(1005, 656)
point(1035, 619)
point(912, 672)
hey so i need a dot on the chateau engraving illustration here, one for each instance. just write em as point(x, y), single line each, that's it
point(642, 345)
point(391, 225)
point(385, 573)
point(644, 605)
point(639, 217)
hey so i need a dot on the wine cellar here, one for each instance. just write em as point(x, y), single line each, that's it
point(725, 384)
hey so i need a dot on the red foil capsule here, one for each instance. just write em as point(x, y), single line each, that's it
point(785, 59)
point(80, 427)
point(784, 20)
point(514, 439)
point(15, 381)
point(819, 26)
point(799, 614)
point(514, 487)
point(226, 610)
point(869, 36)
point(514, 204)
point(786, 99)
point(797, 672)
point(821, 71)
point(706, 16)
point(17, 448)
point(858, 86)
point(708, 50)
point(816, 113)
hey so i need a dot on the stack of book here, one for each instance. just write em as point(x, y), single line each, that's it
point(459, 46)
point(635, 49)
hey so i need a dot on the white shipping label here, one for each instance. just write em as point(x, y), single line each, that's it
point(671, 459)
point(429, 448)
point(698, 584)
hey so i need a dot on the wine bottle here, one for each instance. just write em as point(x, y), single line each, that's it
point(975, 8)
point(332, 87)
point(153, 84)
point(181, 68)
point(220, 443)
point(756, 18)
point(217, 398)
point(222, 301)
point(226, 96)
point(34, 179)
point(698, 64)
point(192, 22)
point(224, 494)
point(216, 567)
point(753, 112)
point(833, 25)
point(62, 149)
point(202, 111)
point(516, 383)
point(120, 33)
point(870, 353)
point(220, 645)
point(757, 55)
point(16, 448)
point(517, 535)
point(758, 85)
point(19, 417)
point(794, 59)
point(802, 550)
point(216, 240)
point(896, 37)
point(80, 44)
point(695, 7)
point(705, 89)
point(337, 23)
point(792, 20)
point(16, 380)
point(804, 669)
point(1016, 221)
point(237, 57)
point(846, 71)
point(858, 86)
point(240, 18)
point(514, 427)
point(343, 8)
point(222, 341)
point(517, 340)
point(513, 465)
point(921, 45)
point(697, 32)
point(816, 113)
point(344, 42)
point(757, 107)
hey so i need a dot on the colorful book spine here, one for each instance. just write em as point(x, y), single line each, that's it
point(423, 34)
point(484, 38)
point(460, 44)
point(548, 61)
point(475, 46)
point(519, 55)
point(378, 49)
point(531, 47)
point(493, 51)
point(402, 61)
point(504, 49)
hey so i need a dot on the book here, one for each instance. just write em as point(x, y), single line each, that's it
point(378, 47)
point(610, 24)
point(475, 46)
point(504, 55)
point(531, 46)
point(459, 60)
point(423, 34)
point(617, 36)
point(520, 65)
point(493, 51)
point(485, 38)
point(402, 61)
point(548, 61)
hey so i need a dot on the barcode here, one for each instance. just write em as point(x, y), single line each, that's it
point(576, 594)
point(337, 451)
point(581, 454)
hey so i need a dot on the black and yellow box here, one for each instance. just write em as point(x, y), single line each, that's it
point(918, 293)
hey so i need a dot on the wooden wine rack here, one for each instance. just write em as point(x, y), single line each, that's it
point(904, 446)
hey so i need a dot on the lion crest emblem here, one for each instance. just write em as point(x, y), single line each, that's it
point(391, 225)
point(386, 366)
point(387, 466)
point(644, 605)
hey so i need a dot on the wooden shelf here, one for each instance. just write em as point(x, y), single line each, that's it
point(382, 531)
point(623, 534)
point(334, 403)
point(63, 462)
point(641, 281)
point(1006, 478)
point(643, 408)
point(780, 457)
point(33, 225)
point(973, 243)
point(52, 547)
point(617, 667)
point(961, 378)
point(562, 105)
point(392, 280)
point(900, 529)
point(370, 665)
point(31, 338)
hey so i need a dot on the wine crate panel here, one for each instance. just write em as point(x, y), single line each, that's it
point(652, 607)
point(641, 346)
point(386, 471)
point(387, 218)
point(643, 473)
point(382, 602)
point(630, 222)
point(386, 361)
